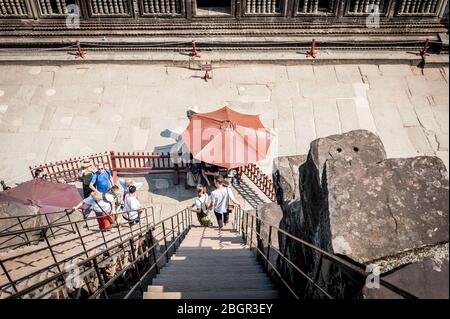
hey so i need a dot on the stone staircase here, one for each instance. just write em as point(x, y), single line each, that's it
point(212, 264)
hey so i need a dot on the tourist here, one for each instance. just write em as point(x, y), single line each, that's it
point(193, 174)
point(102, 208)
point(102, 179)
point(39, 173)
point(202, 205)
point(125, 185)
point(191, 111)
point(4, 187)
point(85, 176)
point(114, 198)
point(131, 207)
point(220, 199)
point(208, 170)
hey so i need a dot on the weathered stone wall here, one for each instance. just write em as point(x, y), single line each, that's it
point(354, 202)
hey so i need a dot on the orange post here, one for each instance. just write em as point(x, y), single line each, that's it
point(194, 52)
point(80, 53)
point(424, 52)
point(206, 67)
point(312, 51)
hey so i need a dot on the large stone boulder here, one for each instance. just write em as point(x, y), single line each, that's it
point(382, 209)
point(286, 177)
point(15, 217)
point(357, 204)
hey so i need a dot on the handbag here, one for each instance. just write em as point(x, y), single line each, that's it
point(106, 215)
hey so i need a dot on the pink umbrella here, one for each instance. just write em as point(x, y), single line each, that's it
point(48, 196)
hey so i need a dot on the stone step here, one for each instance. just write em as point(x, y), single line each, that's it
point(224, 294)
point(213, 271)
point(162, 295)
point(177, 277)
point(210, 262)
point(213, 288)
point(200, 285)
point(155, 288)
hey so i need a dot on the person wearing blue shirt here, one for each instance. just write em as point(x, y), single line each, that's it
point(102, 179)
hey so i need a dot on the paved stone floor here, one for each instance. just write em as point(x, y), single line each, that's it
point(49, 113)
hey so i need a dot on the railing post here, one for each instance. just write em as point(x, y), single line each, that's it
point(24, 232)
point(173, 229)
point(178, 224)
point(146, 216)
point(165, 242)
point(112, 159)
point(183, 216)
point(48, 224)
point(51, 250)
point(70, 221)
point(118, 230)
point(251, 233)
point(13, 285)
point(152, 242)
point(268, 247)
point(104, 239)
point(136, 268)
point(176, 177)
point(81, 240)
point(153, 216)
point(100, 277)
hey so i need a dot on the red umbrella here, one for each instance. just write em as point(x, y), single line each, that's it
point(227, 138)
point(48, 196)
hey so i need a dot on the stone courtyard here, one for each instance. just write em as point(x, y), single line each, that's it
point(50, 113)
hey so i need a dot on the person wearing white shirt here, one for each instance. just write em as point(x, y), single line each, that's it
point(125, 185)
point(131, 206)
point(102, 205)
point(220, 198)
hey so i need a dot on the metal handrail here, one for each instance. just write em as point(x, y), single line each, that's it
point(186, 222)
point(51, 246)
point(242, 224)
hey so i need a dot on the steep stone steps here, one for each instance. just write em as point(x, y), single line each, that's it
point(212, 264)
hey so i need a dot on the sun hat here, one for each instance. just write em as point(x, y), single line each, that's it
point(85, 163)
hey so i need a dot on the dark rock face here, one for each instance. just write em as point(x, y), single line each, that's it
point(272, 214)
point(357, 204)
point(286, 177)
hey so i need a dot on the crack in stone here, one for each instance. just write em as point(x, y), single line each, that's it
point(390, 211)
point(427, 131)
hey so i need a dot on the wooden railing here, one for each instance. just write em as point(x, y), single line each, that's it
point(261, 180)
point(67, 169)
point(120, 163)
point(138, 163)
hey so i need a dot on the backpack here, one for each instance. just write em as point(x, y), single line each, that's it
point(86, 177)
point(203, 206)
